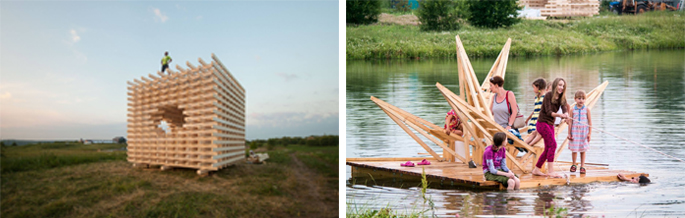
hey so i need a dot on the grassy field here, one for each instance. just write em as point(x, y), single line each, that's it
point(75, 180)
point(607, 32)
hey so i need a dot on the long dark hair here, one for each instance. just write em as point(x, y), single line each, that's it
point(541, 84)
point(556, 97)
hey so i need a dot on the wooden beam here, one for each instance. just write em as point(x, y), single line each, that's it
point(388, 159)
point(411, 134)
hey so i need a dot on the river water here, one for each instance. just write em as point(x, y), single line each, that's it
point(644, 103)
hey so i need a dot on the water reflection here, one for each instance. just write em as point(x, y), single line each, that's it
point(644, 102)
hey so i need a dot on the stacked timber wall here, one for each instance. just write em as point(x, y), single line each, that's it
point(204, 108)
point(563, 8)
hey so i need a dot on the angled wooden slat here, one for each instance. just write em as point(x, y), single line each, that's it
point(431, 131)
point(412, 135)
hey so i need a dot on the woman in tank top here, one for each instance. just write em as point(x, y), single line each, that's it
point(499, 108)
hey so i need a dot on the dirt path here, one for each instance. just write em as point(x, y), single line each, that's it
point(407, 19)
point(311, 196)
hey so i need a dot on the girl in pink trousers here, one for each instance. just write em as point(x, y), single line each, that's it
point(545, 126)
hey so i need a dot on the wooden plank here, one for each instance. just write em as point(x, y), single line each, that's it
point(352, 159)
point(443, 145)
point(412, 135)
point(442, 173)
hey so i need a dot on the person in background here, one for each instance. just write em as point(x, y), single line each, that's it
point(539, 86)
point(165, 61)
point(453, 123)
point(642, 179)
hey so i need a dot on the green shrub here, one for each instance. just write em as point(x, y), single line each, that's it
point(438, 15)
point(363, 12)
point(493, 14)
point(604, 5)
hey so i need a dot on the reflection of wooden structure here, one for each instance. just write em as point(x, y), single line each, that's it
point(473, 107)
point(204, 108)
point(563, 8)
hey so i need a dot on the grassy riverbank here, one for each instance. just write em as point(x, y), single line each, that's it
point(607, 32)
point(75, 180)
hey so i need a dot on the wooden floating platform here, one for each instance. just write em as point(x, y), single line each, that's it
point(473, 107)
point(454, 174)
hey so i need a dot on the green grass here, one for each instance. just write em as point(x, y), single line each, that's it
point(60, 186)
point(607, 32)
point(52, 155)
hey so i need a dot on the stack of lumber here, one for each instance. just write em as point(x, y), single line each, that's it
point(258, 158)
point(564, 8)
point(204, 108)
point(533, 3)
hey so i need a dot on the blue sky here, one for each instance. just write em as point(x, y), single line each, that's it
point(64, 65)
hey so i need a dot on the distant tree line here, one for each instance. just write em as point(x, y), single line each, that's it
point(325, 140)
point(440, 15)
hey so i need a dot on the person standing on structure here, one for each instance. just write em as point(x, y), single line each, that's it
point(165, 61)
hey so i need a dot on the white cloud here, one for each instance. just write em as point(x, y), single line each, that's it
point(287, 77)
point(199, 17)
point(74, 36)
point(159, 16)
point(287, 119)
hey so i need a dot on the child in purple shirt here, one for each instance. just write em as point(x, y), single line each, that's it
point(495, 163)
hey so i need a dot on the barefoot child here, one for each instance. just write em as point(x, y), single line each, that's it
point(553, 100)
point(539, 88)
point(579, 129)
point(495, 163)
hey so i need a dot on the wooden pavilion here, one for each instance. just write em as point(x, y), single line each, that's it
point(204, 108)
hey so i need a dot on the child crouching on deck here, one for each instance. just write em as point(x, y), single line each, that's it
point(495, 164)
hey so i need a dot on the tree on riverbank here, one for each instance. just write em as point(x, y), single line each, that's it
point(363, 12)
point(493, 14)
point(439, 15)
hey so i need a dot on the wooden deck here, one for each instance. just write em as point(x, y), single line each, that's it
point(451, 174)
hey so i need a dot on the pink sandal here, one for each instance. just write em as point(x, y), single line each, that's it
point(424, 162)
point(407, 164)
